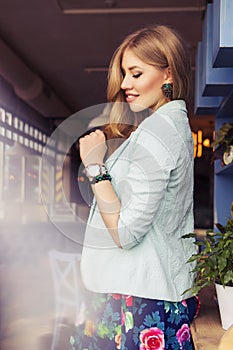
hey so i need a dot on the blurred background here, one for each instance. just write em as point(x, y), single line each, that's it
point(54, 56)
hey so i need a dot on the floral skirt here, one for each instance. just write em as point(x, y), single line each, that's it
point(115, 321)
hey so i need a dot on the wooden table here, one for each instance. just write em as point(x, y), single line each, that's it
point(206, 328)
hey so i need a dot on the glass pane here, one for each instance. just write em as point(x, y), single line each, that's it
point(2, 115)
point(15, 136)
point(16, 122)
point(2, 131)
point(8, 134)
point(26, 128)
point(13, 181)
point(1, 171)
point(32, 179)
point(21, 139)
point(36, 133)
point(21, 125)
point(9, 118)
point(31, 131)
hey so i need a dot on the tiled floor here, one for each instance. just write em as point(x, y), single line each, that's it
point(27, 300)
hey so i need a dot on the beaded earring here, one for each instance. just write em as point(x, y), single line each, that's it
point(167, 90)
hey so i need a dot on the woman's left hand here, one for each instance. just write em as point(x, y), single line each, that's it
point(93, 148)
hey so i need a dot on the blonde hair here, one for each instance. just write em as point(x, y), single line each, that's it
point(159, 46)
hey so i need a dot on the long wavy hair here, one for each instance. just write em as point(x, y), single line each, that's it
point(159, 46)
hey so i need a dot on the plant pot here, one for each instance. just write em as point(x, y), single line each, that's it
point(225, 302)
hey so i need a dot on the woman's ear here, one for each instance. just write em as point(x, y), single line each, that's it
point(168, 75)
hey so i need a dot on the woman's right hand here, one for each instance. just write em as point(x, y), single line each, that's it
point(93, 147)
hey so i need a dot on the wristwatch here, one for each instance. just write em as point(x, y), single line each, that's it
point(93, 170)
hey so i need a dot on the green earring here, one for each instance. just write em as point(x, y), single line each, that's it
point(167, 90)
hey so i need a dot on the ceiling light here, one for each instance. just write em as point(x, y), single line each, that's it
point(132, 6)
point(96, 11)
point(95, 69)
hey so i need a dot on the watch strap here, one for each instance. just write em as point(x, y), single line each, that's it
point(102, 177)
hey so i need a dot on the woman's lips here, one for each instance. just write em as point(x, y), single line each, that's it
point(131, 97)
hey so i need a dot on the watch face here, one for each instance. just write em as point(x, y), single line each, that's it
point(228, 156)
point(92, 170)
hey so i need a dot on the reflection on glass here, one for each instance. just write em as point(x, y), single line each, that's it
point(31, 131)
point(9, 118)
point(13, 178)
point(31, 144)
point(16, 122)
point(20, 125)
point(1, 173)
point(21, 139)
point(15, 136)
point(26, 128)
point(2, 131)
point(2, 115)
point(21, 175)
point(32, 179)
point(8, 134)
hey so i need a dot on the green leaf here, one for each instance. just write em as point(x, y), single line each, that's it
point(210, 237)
point(103, 330)
point(128, 321)
point(222, 263)
point(228, 277)
point(214, 262)
point(194, 257)
point(118, 329)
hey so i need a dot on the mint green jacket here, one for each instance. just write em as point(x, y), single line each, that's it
point(152, 174)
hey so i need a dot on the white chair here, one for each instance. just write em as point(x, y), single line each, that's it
point(68, 290)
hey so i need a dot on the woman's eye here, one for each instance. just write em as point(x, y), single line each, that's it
point(137, 75)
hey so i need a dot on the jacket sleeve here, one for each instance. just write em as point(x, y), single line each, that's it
point(143, 192)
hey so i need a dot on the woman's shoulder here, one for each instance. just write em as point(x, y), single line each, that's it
point(165, 118)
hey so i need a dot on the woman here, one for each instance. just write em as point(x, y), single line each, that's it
point(134, 260)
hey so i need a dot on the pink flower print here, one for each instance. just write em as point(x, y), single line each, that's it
point(116, 296)
point(122, 317)
point(184, 303)
point(183, 334)
point(152, 339)
point(129, 300)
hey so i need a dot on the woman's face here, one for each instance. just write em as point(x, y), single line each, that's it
point(142, 82)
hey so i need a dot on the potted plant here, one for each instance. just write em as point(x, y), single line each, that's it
point(224, 144)
point(214, 264)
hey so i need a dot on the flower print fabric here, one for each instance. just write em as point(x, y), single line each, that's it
point(152, 338)
point(183, 334)
point(120, 322)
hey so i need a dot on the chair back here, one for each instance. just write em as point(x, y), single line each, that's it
point(66, 278)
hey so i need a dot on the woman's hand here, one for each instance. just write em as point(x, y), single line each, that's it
point(93, 148)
